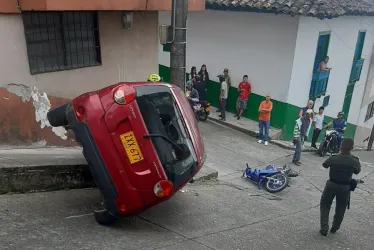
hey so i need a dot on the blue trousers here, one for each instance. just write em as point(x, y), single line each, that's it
point(339, 139)
point(264, 130)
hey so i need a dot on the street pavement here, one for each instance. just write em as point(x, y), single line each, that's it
point(229, 213)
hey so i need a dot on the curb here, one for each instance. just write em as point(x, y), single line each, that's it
point(279, 144)
point(205, 174)
point(26, 179)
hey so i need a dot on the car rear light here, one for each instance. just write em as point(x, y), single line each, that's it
point(124, 94)
point(81, 110)
point(122, 208)
point(163, 189)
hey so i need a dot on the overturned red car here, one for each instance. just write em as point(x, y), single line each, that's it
point(141, 141)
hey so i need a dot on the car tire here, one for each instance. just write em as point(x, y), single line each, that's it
point(103, 217)
point(57, 116)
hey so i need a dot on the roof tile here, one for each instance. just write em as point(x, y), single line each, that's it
point(319, 8)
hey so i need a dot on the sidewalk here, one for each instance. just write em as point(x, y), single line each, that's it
point(250, 128)
point(51, 168)
point(243, 125)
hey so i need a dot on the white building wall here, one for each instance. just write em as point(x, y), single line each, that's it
point(343, 38)
point(260, 45)
point(364, 128)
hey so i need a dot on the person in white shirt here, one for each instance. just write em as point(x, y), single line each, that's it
point(223, 100)
point(318, 125)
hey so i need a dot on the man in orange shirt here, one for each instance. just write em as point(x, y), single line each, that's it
point(264, 119)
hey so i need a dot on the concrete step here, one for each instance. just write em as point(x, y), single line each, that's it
point(49, 169)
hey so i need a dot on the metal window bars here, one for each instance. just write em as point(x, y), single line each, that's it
point(61, 40)
point(369, 112)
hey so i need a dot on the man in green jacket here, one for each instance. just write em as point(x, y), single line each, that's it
point(224, 77)
point(342, 167)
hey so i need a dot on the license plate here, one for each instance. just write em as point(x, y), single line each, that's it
point(207, 109)
point(131, 147)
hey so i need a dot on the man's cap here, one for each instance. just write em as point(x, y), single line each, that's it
point(341, 113)
point(226, 70)
point(309, 111)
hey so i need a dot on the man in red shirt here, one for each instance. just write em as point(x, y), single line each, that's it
point(244, 90)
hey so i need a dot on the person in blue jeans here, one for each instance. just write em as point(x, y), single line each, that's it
point(339, 125)
point(264, 119)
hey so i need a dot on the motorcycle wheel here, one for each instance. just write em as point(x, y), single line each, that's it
point(331, 147)
point(322, 150)
point(203, 116)
point(276, 182)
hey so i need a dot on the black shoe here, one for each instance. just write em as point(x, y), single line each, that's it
point(220, 115)
point(296, 163)
point(323, 232)
point(222, 119)
point(238, 118)
point(314, 146)
point(333, 230)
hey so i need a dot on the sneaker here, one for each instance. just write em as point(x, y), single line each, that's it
point(266, 143)
point(260, 141)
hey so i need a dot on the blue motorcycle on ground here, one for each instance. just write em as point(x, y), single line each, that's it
point(273, 179)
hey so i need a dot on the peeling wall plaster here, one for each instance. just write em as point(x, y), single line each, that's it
point(41, 104)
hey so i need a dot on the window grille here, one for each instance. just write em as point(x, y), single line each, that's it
point(61, 40)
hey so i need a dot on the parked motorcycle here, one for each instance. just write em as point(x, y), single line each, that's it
point(272, 178)
point(329, 143)
point(201, 110)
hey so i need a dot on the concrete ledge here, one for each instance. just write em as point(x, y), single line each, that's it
point(44, 178)
point(50, 169)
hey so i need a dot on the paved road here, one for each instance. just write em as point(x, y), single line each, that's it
point(230, 213)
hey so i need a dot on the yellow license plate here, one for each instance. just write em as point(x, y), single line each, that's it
point(131, 147)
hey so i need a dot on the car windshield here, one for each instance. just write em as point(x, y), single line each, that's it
point(166, 128)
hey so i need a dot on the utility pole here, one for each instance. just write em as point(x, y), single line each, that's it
point(371, 139)
point(178, 45)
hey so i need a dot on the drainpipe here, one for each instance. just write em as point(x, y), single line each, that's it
point(178, 45)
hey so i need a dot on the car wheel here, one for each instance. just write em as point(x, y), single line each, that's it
point(57, 116)
point(103, 217)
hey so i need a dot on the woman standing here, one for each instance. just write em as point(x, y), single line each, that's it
point(193, 74)
point(204, 78)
